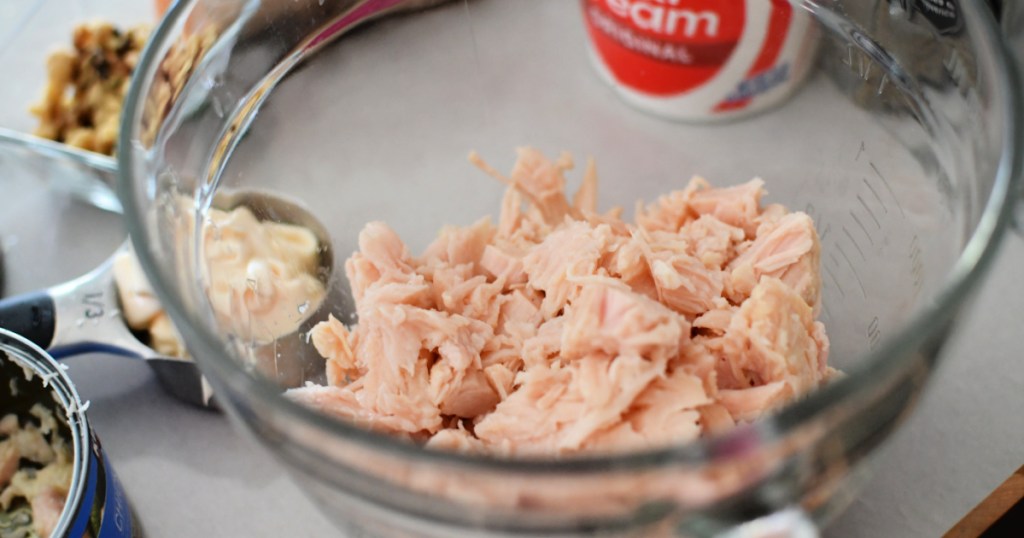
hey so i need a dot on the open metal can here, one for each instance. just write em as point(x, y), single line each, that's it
point(95, 506)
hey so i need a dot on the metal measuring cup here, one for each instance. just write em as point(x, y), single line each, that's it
point(84, 315)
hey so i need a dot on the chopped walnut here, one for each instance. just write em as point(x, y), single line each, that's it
point(81, 105)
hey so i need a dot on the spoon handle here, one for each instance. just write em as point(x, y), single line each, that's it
point(32, 315)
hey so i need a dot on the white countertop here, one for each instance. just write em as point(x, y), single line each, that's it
point(189, 472)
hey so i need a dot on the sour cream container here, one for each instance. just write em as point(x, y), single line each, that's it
point(700, 60)
point(96, 505)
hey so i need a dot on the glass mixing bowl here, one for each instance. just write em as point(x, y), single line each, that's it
point(900, 145)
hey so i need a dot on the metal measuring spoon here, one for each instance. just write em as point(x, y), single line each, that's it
point(84, 315)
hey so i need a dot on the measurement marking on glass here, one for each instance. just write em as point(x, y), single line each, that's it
point(835, 282)
point(811, 211)
point(888, 188)
point(955, 67)
point(877, 197)
point(853, 271)
point(951, 61)
point(854, 241)
point(859, 151)
point(823, 226)
point(881, 85)
point(916, 262)
point(864, 69)
point(824, 233)
point(874, 333)
point(862, 228)
point(870, 212)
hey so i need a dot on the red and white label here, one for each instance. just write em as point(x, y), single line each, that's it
point(698, 59)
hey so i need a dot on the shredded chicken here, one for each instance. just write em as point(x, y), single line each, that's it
point(561, 329)
point(35, 468)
